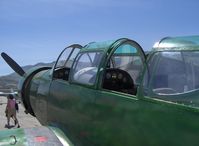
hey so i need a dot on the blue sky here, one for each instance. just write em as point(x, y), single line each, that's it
point(33, 31)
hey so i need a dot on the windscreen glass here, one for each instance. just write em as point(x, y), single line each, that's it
point(85, 67)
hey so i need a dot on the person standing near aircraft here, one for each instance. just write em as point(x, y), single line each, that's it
point(11, 110)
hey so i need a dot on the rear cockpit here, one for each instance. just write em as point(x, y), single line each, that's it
point(173, 69)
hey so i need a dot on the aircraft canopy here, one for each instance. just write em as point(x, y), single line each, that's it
point(177, 43)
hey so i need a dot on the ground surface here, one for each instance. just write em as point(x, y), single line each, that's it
point(25, 120)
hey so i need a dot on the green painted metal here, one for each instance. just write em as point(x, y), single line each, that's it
point(36, 136)
point(112, 118)
point(91, 115)
point(61, 136)
point(94, 116)
point(96, 46)
point(13, 137)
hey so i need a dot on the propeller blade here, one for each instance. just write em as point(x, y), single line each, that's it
point(13, 64)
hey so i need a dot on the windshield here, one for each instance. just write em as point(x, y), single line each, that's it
point(85, 67)
point(172, 73)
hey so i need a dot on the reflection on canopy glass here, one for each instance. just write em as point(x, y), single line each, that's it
point(172, 74)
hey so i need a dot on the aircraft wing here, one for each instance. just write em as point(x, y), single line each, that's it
point(45, 136)
point(6, 94)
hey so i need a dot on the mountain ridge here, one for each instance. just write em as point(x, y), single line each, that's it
point(10, 81)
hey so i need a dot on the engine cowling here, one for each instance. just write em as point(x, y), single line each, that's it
point(24, 88)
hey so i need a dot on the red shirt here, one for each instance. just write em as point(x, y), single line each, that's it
point(11, 103)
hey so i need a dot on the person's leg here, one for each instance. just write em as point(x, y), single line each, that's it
point(8, 120)
point(13, 119)
point(16, 120)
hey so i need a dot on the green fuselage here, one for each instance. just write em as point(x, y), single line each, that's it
point(95, 117)
point(92, 98)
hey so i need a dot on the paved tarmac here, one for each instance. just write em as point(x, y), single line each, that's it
point(25, 120)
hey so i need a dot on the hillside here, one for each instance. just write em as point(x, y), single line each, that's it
point(10, 81)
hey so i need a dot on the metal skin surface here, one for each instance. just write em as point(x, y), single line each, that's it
point(45, 136)
point(93, 116)
point(102, 118)
point(8, 137)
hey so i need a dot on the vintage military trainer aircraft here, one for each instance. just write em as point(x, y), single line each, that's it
point(109, 94)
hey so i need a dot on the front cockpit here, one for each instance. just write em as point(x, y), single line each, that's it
point(111, 65)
